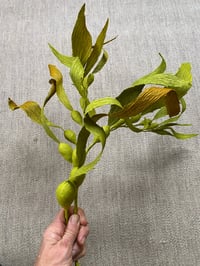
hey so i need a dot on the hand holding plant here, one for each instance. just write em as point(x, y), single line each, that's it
point(142, 107)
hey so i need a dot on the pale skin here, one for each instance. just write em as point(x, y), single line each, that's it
point(63, 244)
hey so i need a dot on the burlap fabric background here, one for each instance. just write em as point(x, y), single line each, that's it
point(143, 199)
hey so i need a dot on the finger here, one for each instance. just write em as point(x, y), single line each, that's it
point(56, 229)
point(81, 213)
point(71, 231)
point(83, 234)
point(78, 251)
point(81, 253)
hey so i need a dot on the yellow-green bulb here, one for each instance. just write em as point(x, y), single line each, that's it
point(65, 194)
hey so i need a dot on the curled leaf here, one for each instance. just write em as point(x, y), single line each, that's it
point(149, 97)
point(57, 87)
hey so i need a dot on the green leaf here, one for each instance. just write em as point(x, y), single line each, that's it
point(88, 80)
point(102, 102)
point(166, 80)
point(96, 49)
point(182, 135)
point(101, 62)
point(57, 86)
point(97, 131)
point(65, 60)
point(160, 69)
point(81, 38)
point(81, 145)
point(46, 125)
point(77, 74)
point(184, 73)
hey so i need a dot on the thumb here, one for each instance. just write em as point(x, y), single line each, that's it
point(72, 230)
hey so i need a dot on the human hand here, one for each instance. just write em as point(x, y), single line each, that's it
point(62, 244)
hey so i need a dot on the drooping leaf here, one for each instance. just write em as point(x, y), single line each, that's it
point(182, 136)
point(36, 114)
point(31, 108)
point(64, 59)
point(57, 86)
point(149, 97)
point(77, 74)
point(96, 49)
point(81, 38)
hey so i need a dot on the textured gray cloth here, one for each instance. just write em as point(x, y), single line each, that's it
point(143, 199)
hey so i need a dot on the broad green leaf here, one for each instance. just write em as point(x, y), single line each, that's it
point(77, 74)
point(65, 60)
point(184, 73)
point(166, 80)
point(32, 109)
point(101, 62)
point(97, 131)
point(57, 86)
point(160, 69)
point(149, 97)
point(101, 102)
point(96, 49)
point(81, 38)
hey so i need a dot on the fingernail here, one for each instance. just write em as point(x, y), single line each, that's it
point(74, 219)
